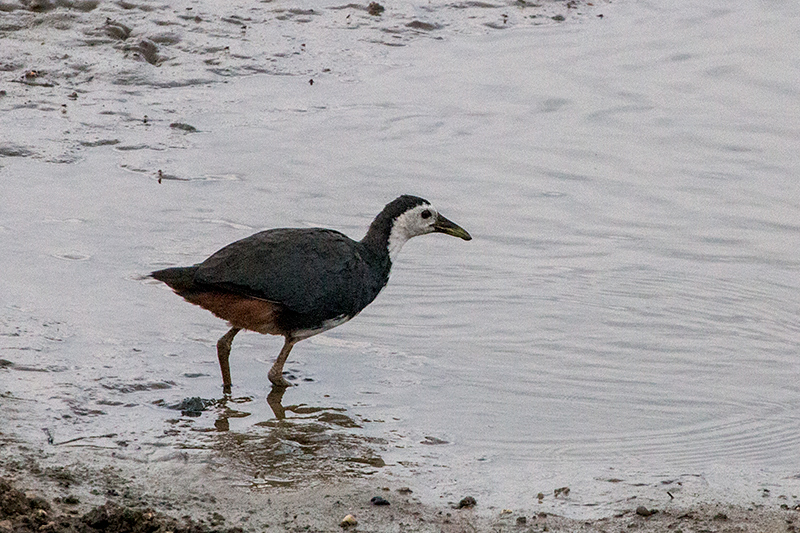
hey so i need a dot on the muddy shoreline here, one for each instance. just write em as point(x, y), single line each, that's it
point(342, 507)
point(58, 489)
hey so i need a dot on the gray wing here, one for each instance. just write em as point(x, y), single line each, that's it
point(309, 271)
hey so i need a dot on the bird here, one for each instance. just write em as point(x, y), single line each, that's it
point(299, 282)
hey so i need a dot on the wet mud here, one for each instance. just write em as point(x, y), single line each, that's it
point(21, 512)
point(91, 68)
point(28, 511)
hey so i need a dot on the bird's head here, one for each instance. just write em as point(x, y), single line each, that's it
point(414, 216)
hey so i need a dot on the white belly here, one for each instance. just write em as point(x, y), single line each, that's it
point(328, 324)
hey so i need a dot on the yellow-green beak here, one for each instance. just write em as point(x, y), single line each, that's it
point(443, 225)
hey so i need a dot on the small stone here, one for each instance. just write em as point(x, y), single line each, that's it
point(644, 511)
point(348, 521)
point(377, 500)
point(563, 491)
point(467, 503)
point(404, 490)
point(185, 127)
point(521, 520)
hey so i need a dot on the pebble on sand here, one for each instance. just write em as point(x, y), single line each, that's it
point(467, 503)
point(348, 521)
point(644, 511)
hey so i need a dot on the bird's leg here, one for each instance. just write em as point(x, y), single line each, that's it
point(276, 372)
point(223, 352)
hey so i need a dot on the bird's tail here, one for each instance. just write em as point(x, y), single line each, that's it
point(180, 279)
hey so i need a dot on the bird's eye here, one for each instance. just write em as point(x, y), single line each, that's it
point(425, 214)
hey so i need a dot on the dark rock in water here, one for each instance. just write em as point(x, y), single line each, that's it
point(193, 406)
point(375, 8)
point(377, 500)
point(467, 503)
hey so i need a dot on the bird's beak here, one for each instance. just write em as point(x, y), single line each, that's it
point(443, 225)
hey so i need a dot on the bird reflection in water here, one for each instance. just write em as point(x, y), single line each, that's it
point(226, 412)
point(329, 415)
point(300, 442)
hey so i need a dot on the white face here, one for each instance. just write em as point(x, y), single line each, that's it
point(416, 221)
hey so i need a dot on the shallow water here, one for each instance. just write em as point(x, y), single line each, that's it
point(624, 321)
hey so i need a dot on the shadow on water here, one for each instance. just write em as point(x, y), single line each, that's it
point(301, 443)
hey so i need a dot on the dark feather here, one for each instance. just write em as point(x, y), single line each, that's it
point(317, 273)
point(180, 279)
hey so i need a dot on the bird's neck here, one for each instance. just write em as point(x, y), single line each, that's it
point(377, 244)
point(386, 239)
point(375, 251)
point(377, 239)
